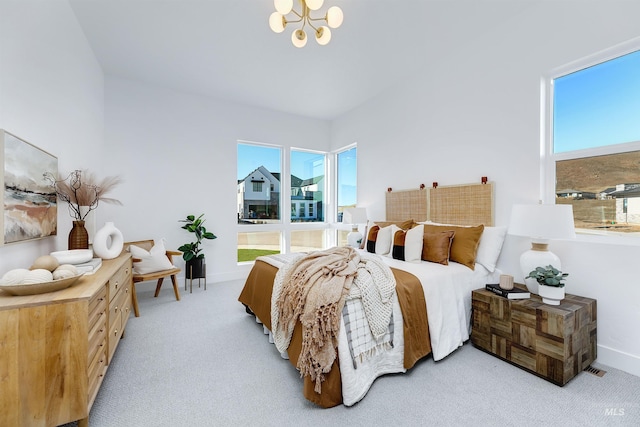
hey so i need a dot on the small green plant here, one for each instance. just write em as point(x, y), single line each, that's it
point(194, 225)
point(549, 276)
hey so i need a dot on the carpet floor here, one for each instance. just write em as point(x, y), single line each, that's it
point(203, 361)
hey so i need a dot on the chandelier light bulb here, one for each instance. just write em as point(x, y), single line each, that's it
point(277, 22)
point(323, 35)
point(314, 4)
point(283, 6)
point(334, 17)
point(299, 38)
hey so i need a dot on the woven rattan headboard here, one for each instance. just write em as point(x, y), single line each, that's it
point(468, 204)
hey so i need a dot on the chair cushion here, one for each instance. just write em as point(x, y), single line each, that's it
point(150, 261)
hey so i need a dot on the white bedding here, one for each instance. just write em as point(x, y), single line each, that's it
point(447, 291)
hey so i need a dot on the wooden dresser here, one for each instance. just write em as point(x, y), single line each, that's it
point(55, 348)
point(555, 342)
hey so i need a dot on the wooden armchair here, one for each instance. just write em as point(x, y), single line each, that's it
point(157, 275)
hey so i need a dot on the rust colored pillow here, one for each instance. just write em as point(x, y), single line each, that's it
point(465, 242)
point(436, 247)
point(405, 225)
point(371, 238)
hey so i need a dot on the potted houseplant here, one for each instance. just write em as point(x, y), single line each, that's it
point(550, 283)
point(191, 252)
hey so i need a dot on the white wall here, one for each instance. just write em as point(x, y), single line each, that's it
point(477, 113)
point(51, 95)
point(177, 154)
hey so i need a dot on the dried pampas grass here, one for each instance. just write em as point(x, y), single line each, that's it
point(82, 188)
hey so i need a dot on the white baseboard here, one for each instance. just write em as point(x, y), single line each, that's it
point(619, 360)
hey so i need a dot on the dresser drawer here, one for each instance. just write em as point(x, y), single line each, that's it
point(121, 278)
point(97, 303)
point(97, 338)
point(96, 371)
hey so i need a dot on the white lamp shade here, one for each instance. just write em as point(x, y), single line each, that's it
point(314, 4)
point(354, 216)
point(276, 22)
point(283, 6)
point(323, 35)
point(334, 17)
point(299, 38)
point(542, 221)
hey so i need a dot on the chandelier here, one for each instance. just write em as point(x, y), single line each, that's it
point(278, 20)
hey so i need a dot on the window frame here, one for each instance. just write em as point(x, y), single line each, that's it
point(548, 158)
point(285, 226)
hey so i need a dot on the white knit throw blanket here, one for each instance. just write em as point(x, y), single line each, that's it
point(325, 278)
point(375, 284)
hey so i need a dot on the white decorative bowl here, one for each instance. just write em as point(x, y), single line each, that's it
point(74, 256)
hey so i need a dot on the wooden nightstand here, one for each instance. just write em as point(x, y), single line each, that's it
point(555, 342)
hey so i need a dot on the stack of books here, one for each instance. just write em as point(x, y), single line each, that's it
point(90, 266)
point(514, 293)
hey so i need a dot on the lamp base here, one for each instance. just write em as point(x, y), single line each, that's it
point(354, 239)
point(537, 256)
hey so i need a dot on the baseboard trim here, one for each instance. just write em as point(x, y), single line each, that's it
point(619, 360)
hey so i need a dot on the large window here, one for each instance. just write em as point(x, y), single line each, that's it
point(264, 185)
point(594, 141)
point(258, 165)
point(307, 186)
point(346, 188)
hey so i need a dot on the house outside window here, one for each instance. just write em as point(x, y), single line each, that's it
point(592, 141)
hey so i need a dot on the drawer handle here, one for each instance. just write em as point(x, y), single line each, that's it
point(115, 333)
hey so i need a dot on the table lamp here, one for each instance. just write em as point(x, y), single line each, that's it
point(354, 216)
point(541, 223)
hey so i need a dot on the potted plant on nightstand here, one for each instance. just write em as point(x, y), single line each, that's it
point(191, 252)
point(550, 281)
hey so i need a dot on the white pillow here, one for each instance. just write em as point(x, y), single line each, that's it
point(490, 246)
point(151, 261)
point(413, 244)
point(384, 240)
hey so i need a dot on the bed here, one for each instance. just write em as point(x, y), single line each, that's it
point(431, 305)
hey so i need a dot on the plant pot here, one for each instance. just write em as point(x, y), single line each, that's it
point(78, 236)
point(196, 268)
point(551, 295)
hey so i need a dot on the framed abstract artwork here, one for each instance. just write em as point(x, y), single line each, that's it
point(30, 208)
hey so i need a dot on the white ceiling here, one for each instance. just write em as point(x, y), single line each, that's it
point(225, 49)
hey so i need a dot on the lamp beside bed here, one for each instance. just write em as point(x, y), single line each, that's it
point(355, 217)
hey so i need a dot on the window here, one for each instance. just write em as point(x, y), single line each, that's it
point(308, 184)
point(258, 164)
point(593, 147)
point(346, 188)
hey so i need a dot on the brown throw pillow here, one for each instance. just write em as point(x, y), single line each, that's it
point(397, 251)
point(371, 238)
point(437, 246)
point(405, 225)
point(465, 242)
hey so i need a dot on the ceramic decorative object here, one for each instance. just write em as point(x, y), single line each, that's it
point(78, 236)
point(108, 242)
point(551, 295)
point(506, 281)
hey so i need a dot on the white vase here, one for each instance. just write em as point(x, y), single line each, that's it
point(108, 242)
point(551, 295)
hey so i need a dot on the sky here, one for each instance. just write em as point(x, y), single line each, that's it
point(598, 106)
point(303, 165)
